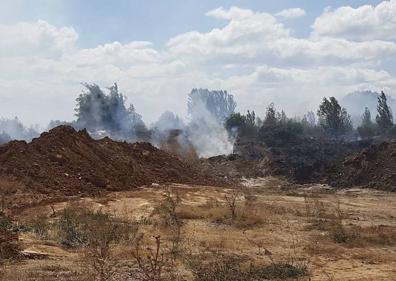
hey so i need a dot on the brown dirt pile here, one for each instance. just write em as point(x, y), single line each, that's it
point(373, 167)
point(66, 162)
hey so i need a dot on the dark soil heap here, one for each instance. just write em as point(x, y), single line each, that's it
point(373, 167)
point(300, 160)
point(66, 162)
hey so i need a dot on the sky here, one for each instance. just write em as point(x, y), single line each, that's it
point(292, 53)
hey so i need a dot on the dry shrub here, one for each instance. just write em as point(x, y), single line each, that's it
point(9, 242)
point(153, 259)
point(40, 226)
point(98, 233)
point(102, 234)
point(239, 209)
point(357, 236)
point(324, 217)
point(232, 199)
point(170, 220)
point(216, 266)
point(331, 219)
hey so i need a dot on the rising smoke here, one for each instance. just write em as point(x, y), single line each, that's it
point(204, 131)
point(13, 129)
point(107, 115)
point(208, 111)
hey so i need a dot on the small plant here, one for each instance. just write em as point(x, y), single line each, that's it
point(280, 271)
point(40, 226)
point(70, 227)
point(216, 266)
point(153, 261)
point(102, 234)
point(231, 201)
point(167, 210)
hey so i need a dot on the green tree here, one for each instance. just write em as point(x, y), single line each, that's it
point(333, 118)
point(270, 119)
point(384, 117)
point(367, 127)
point(244, 125)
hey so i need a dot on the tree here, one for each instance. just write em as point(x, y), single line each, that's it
point(244, 125)
point(309, 119)
point(333, 118)
point(270, 119)
point(219, 104)
point(367, 128)
point(384, 117)
point(96, 111)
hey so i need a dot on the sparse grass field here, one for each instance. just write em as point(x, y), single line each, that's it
point(267, 230)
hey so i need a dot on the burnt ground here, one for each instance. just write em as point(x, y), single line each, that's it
point(301, 160)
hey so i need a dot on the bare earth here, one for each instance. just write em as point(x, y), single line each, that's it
point(283, 222)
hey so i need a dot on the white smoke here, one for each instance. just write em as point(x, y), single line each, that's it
point(208, 136)
point(13, 129)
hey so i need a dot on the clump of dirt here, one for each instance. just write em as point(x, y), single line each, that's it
point(65, 162)
point(374, 167)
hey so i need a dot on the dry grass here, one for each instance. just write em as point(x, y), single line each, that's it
point(199, 234)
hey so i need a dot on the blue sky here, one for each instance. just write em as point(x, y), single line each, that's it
point(292, 53)
point(102, 21)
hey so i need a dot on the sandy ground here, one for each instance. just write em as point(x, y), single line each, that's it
point(284, 229)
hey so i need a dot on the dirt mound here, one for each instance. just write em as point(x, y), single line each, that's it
point(66, 162)
point(373, 167)
point(304, 160)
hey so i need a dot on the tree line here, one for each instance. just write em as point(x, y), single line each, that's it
point(330, 120)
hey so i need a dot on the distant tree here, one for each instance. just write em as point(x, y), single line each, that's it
point(250, 119)
point(96, 110)
point(309, 119)
point(244, 125)
point(333, 118)
point(277, 129)
point(281, 117)
point(270, 119)
point(219, 104)
point(367, 127)
point(384, 117)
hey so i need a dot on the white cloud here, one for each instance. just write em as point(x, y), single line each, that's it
point(252, 54)
point(232, 13)
point(37, 38)
point(291, 13)
point(363, 23)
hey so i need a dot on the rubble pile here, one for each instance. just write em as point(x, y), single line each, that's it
point(373, 167)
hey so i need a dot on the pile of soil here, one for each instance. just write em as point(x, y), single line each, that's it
point(303, 160)
point(373, 167)
point(66, 162)
point(233, 167)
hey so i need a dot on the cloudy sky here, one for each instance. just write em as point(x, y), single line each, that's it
point(290, 52)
